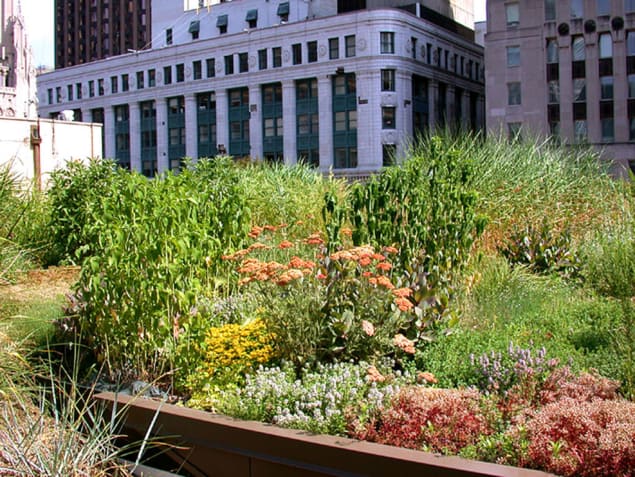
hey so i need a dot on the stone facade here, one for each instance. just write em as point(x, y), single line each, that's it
point(564, 69)
point(277, 81)
point(17, 72)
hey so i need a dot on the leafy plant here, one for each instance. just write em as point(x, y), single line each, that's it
point(426, 207)
point(542, 250)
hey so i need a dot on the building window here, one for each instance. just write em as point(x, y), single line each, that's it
point(629, 6)
point(168, 36)
point(512, 14)
point(197, 70)
point(100, 87)
point(194, 29)
point(552, 51)
point(388, 154)
point(608, 130)
point(603, 7)
point(513, 131)
point(114, 84)
point(210, 67)
point(413, 44)
point(152, 78)
point(349, 43)
point(140, 84)
point(334, 48)
point(58, 94)
point(312, 51)
point(630, 43)
point(167, 75)
point(273, 127)
point(579, 90)
point(221, 24)
point(388, 80)
point(229, 64)
point(388, 114)
point(579, 131)
point(283, 12)
point(78, 90)
point(180, 73)
point(606, 87)
point(262, 59)
point(606, 45)
point(513, 93)
point(554, 92)
point(550, 10)
point(252, 18)
point(50, 95)
point(296, 50)
point(513, 56)
point(387, 42)
point(577, 8)
point(578, 53)
point(276, 54)
point(243, 63)
point(91, 89)
point(631, 86)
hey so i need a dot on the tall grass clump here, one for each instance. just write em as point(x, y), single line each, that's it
point(23, 236)
point(533, 184)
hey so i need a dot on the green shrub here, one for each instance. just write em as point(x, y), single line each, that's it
point(427, 208)
point(155, 253)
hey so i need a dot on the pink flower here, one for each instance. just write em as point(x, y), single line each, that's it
point(368, 328)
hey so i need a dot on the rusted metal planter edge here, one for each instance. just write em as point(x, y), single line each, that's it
point(217, 445)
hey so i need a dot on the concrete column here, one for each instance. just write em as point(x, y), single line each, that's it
point(404, 111)
point(566, 89)
point(465, 110)
point(433, 94)
point(191, 127)
point(289, 122)
point(135, 137)
point(255, 122)
point(222, 121)
point(163, 163)
point(325, 93)
point(592, 92)
point(109, 132)
point(620, 90)
point(450, 107)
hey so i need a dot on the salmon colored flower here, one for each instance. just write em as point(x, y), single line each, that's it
point(379, 257)
point(297, 262)
point(404, 304)
point(346, 232)
point(270, 228)
point(372, 280)
point(402, 292)
point(391, 250)
point(404, 344)
point(367, 274)
point(365, 261)
point(320, 276)
point(258, 246)
point(374, 376)
point(426, 377)
point(314, 239)
point(289, 276)
point(285, 244)
point(385, 282)
point(384, 266)
point(255, 232)
point(368, 328)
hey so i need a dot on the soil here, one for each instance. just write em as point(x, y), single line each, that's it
point(41, 285)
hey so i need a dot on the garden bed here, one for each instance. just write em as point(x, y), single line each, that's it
point(210, 444)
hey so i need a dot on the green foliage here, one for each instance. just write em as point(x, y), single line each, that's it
point(427, 208)
point(156, 251)
point(542, 250)
point(76, 194)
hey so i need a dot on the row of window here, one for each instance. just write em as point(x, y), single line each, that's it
point(576, 9)
point(239, 62)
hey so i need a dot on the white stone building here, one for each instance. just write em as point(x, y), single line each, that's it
point(341, 85)
point(17, 71)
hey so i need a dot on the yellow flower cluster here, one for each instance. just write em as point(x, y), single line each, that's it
point(239, 347)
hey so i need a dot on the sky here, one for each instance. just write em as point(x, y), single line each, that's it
point(38, 15)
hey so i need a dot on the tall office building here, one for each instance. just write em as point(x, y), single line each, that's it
point(89, 30)
point(564, 69)
point(17, 72)
point(341, 85)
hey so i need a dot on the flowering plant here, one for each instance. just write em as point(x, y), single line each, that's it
point(338, 306)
